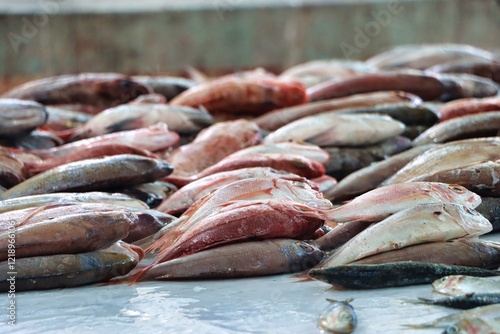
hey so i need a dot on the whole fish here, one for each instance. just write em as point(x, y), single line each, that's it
point(212, 145)
point(490, 209)
point(487, 312)
point(151, 193)
point(371, 176)
point(333, 129)
point(280, 117)
point(382, 202)
point(375, 276)
point(463, 302)
point(481, 178)
point(267, 219)
point(181, 119)
point(309, 151)
point(418, 224)
point(472, 126)
point(448, 156)
point(474, 326)
point(70, 270)
point(345, 160)
point(102, 90)
point(154, 138)
point(425, 86)
point(485, 69)
point(86, 152)
point(454, 285)
point(12, 170)
point(67, 234)
point(247, 190)
point(182, 199)
point(63, 198)
point(243, 259)
point(422, 56)
point(18, 116)
point(236, 96)
point(338, 317)
point(92, 174)
point(469, 252)
point(167, 86)
point(468, 106)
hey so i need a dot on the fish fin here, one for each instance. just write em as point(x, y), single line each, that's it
point(414, 301)
point(322, 139)
point(132, 279)
point(125, 124)
point(302, 277)
point(196, 75)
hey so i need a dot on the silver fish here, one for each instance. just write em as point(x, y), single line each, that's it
point(338, 317)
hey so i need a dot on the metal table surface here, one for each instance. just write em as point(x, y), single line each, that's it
point(273, 304)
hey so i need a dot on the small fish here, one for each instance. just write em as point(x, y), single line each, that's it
point(483, 312)
point(101, 90)
point(474, 326)
point(454, 285)
point(374, 276)
point(448, 156)
point(242, 259)
point(338, 317)
point(382, 202)
point(345, 160)
point(371, 176)
point(18, 116)
point(467, 85)
point(70, 270)
point(468, 106)
point(463, 302)
point(471, 126)
point(92, 174)
point(485, 69)
point(280, 117)
point(334, 129)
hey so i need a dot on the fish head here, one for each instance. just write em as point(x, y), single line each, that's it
point(469, 219)
point(447, 282)
point(469, 326)
point(302, 255)
point(302, 192)
point(338, 317)
point(455, 193)
point(121, 90)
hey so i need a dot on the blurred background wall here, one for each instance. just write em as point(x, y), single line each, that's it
point(47, 37)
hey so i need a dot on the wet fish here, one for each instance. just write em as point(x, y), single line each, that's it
point(468, 106)
point(63, 119)
point(489, 312)
point(481, 178)
point(473, 326)
point(454, 285)
point(280, 117)
point(469, 252)
point(92, 174)
point(243, 259)
point(36, 139)
point(305, 150)
point(101, 90)
point(151, 193)
point(70, 270)
point(236, 96)
point(345, 160)
point(382, 202)
point(63, 198)
point(425, 86)
point(18, 117)
point(181, 119)
point(472, 126)
point(490, 209)
point(167, 86)
point(463, 302)
point(182, 199)
point(333, 129)
point(212, 145)
point(375, 276)
point(467, 85)
point(369, 177)
point(418, 224)
point(422, 56)
point(339, 234)
point(338, 317)
point(448, 156)
point(68, 234)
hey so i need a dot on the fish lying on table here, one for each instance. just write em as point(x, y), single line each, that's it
point(338, 317)
point(454, 285)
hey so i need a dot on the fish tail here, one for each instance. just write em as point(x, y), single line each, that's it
point(137, 276)
point(302, 277)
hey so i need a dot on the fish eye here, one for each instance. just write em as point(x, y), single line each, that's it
point(451, 330)
point(307, 248)
point(125, 83)
point(458, 189)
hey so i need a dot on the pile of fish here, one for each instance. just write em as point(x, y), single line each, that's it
point(246, 174)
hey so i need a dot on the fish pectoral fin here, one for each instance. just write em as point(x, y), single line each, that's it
point(125, 124)
point(302, 277)
point(321, 139)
